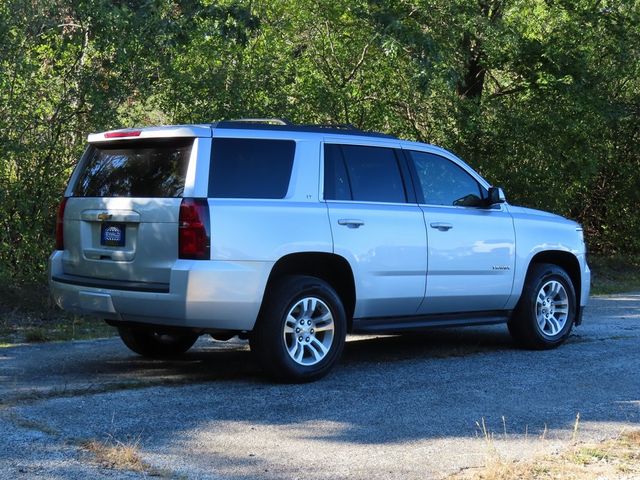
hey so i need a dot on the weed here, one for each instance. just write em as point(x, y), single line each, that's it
point(575, 428)
point(116, 454)
point(611, 459)
point(119, 455)
point(588, 455)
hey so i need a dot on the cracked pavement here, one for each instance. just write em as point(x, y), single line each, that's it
point(408, 406)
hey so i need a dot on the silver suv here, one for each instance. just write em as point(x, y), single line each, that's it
point(292, 236)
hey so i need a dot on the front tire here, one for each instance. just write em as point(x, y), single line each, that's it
point(546, 311)
point(153, 344)
point(301, 330)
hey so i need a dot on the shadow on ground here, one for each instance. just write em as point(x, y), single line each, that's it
point(98, 365)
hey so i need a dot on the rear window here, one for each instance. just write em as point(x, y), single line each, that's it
point(250, 168)
point(150, 169)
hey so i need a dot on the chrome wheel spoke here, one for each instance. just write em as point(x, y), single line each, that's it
point(552, 308)
point(299, 352)
point(310, 305)
point(290, 324)
point(320, 345)
point(307, 318)
point(324, 328)
point(324, 323)
point(293, 348)
point(317, 355)
point(541, 321)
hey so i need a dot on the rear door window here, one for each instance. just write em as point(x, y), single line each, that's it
point(250, 168)
point(362, 173)
point(135, 168)
point(336, 180)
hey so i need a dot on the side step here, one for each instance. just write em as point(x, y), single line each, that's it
point(420, 322)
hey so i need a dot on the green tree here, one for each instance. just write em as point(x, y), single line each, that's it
point(542, 96)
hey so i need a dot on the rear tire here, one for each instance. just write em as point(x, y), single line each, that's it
point(152, 344)
point(301, 330)
point(546, 311)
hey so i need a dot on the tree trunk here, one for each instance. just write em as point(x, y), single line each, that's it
point(471, 84)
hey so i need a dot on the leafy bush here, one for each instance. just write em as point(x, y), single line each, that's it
point(541, 96)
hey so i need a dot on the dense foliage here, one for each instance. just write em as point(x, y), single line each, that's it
point(542, 96)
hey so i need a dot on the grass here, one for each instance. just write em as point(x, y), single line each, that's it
point(116, 455)
point(16, 328)
point(27, 315)
point(615, 274)
point(618, 458)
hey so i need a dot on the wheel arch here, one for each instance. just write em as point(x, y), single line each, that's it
point(333, 269)
point(568, 262)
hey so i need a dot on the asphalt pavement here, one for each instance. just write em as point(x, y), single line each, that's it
point(421, 405)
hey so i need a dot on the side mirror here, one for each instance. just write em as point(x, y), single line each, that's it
point(496, 195)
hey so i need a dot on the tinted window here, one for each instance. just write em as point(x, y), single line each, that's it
point(154, 168)
point(445, 183)
point(372, 174)
point(336, 181)
point(250, 168)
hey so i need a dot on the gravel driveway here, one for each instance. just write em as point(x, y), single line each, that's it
point(410, 406)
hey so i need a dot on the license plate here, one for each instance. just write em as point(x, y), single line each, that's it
point(112, 234)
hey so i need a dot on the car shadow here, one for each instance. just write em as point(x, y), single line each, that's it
point(211, 361)
point(386, 388)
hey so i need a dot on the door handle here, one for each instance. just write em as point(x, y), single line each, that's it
point(443, 227)
point(350, 222)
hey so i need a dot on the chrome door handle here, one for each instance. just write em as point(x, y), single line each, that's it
point(443, 227)
point(350, 222)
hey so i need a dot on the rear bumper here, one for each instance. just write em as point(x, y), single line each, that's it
point(220, 295)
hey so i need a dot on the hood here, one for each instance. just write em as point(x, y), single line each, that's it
point(532, 212)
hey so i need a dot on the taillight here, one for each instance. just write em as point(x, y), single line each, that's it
point(60, 225)
point(193, 229)
point(130, 133)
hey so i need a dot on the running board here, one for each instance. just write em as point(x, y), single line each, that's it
point(440, 320)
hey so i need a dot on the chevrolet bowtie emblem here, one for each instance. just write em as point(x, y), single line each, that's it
point(104, 216)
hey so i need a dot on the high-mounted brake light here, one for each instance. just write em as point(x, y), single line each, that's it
point(60, 225)
point(131, 133)
point(193, 229)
